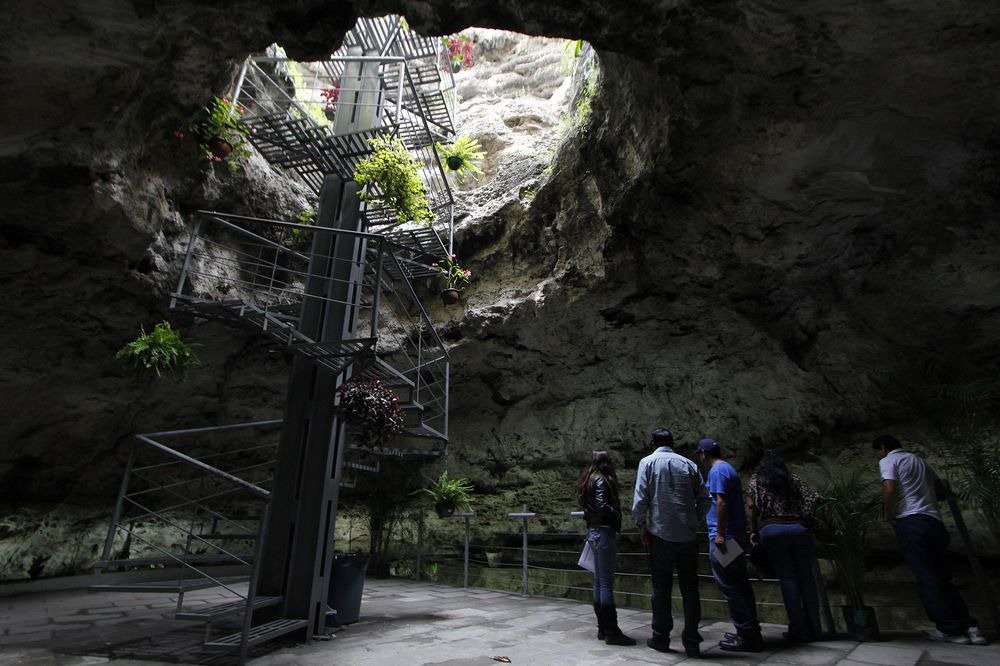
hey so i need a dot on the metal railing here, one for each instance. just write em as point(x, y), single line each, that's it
point(298, 111)
point(185, 505)
point(258, 273)
point(538, 556)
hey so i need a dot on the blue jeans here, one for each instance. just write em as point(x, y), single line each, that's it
point(602, 540)
point(664, 556)
point(735, 586)
point(791, 549)
point(924, 542)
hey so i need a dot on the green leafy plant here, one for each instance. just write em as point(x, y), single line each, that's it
point(847, 515)
point(222, 135)
point(161, 351)
point(454, 275)
point(393, 180)
point(978, 484)
point(456, 493)
point(462, 156)
point(300, 238)
point(373, 407)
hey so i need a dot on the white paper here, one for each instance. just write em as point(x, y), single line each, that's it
point(733, 550)
point(587, 557)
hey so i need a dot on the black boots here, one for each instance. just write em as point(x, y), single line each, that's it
point(607, 626)
point(600, 621)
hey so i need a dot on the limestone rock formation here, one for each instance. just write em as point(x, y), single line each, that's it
point(775, 218)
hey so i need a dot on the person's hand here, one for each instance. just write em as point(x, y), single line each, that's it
point(647, 538)
point(720, 543)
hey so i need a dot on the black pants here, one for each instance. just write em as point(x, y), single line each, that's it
point(664, 556)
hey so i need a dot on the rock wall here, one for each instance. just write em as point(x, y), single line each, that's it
point(774, 218)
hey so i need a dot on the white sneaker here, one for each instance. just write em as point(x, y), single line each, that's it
point(958, 639)
point(976, 637)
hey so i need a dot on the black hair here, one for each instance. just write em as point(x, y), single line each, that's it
point(887, 442)
point(599, 464)
point(662, 437)
point(774, 476)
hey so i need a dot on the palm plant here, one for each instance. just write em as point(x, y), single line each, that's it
point(462, 156)
point(849, 511)
point(447, 494)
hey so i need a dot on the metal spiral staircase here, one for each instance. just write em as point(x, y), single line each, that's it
point(338, 297)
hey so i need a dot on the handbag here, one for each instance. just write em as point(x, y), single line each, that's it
point(587, 557)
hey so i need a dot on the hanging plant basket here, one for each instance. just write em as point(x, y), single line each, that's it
point(455, 162)
point(220, 147)
point(445, 509)
point(451, 296)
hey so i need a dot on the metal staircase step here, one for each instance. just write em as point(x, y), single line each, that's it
point(172, 586)
point(423, 240)
point(259, 634)
point(225, 610)
point(399, 452)
point(361, 467)
point(336, 355)
point(387, 374)
point(423, 72)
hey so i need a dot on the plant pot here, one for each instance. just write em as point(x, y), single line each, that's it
point(330, 112)
point(220, 147)
point(444, 509)
point(456, 66)
point(862, 625)
point(450, 296)
point(454, 162)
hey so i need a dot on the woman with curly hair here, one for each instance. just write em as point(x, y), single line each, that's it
point(780, 507)
point(597, 493)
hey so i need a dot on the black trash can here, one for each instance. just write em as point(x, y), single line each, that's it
point(347, 583)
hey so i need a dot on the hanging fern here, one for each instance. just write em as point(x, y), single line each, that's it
point(161, 351)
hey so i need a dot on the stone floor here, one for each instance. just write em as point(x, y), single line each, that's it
point(404, 622)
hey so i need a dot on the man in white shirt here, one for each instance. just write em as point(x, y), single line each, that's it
point(909, 500)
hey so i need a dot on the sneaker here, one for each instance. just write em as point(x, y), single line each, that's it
point(976, 637)
point(742, 644)
point(958, 639)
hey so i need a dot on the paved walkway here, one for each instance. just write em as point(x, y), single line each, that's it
point(411, 624)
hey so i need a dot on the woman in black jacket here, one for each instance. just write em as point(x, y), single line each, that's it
point(597, 492)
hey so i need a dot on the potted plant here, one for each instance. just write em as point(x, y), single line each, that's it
point(447, 495)
point(455, 277)
point(161, 351)
point(849, 511)
point(222, 136)
point(395, 174)
point(373, 407)
point(460, 50)
point(462, 156)
point(330, 97)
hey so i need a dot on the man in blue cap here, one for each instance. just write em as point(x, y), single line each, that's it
point(727, 528)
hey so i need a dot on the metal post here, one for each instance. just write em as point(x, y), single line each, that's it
point(116, 516)
point(465, 576)
point(524, 515)
point(420, 544)
point(824, 601)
